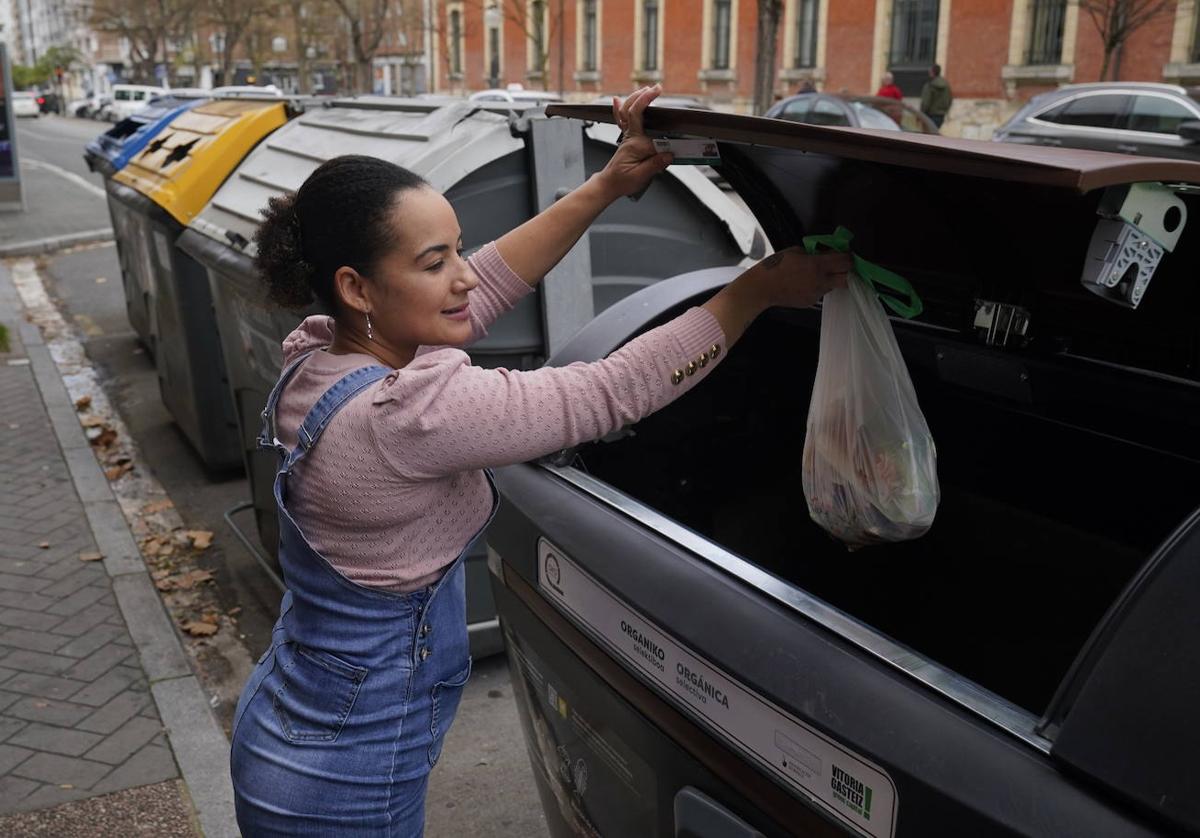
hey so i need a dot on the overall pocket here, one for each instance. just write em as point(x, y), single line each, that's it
point(443, 706)
point(317, 693)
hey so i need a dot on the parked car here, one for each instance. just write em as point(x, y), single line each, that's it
point(693, 656)
point(25, 103)
point(854, 111)
point(514, 93)
point(129, 98)
point(1161, 120)
point(48, 101)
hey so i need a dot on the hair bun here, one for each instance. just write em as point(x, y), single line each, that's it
point(280, 261)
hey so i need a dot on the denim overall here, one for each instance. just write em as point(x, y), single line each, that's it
point(344, 715)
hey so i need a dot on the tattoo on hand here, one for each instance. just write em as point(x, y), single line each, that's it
point(772, 261)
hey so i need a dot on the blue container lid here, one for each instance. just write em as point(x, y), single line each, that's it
point(119, 144)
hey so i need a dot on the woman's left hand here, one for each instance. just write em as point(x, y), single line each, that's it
point(635, 161)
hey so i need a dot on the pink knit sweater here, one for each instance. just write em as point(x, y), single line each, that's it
point(395, 490)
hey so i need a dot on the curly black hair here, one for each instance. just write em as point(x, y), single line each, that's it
point(338, 216)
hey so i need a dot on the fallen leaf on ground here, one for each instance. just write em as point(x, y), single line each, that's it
point(232, 612)
point(100, 280)
point(105, 438)
point(182, 581)
point(45, 545)
point(157, 506)
point(116, 471)
point(201, 539)
point(91, 556)
point(83, 402)
point(212, 618)
point(199, 629)
point(66, 786)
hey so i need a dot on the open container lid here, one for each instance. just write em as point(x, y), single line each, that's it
point(1076, 169)
point(190, 157)
point(964, 221)
point(129, 136)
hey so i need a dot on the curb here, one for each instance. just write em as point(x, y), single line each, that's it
point(197, 741)
point(36, 247)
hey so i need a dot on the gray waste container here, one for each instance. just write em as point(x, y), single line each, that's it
point(492, 163)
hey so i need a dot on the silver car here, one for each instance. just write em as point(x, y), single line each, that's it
point(1159, 120)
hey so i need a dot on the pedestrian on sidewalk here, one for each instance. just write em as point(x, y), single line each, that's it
point(888, 89)
point(387, 434)
point(936, 97)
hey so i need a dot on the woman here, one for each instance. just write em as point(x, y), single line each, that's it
point(386, 432)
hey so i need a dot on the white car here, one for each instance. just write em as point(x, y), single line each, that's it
point(25, 103)
point(514, 93)
point(130, 98)
point(248, 90)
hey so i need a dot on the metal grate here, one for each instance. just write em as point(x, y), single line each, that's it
point(589, 35)
point(456, 41)
point(806, 34)
point(1195, 54)
point(722, 15)
point(1045, 39)
point(914, 33)
point(650, 35)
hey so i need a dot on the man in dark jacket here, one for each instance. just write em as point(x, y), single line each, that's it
point(936, 96)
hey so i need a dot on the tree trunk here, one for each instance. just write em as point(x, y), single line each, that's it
point(365, 76)
point(1104, 64)
point(764, 62)
point(303, 80)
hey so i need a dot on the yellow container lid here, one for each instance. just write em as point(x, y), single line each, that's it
point(183, 166)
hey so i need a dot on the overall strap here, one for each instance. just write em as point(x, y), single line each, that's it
point(333, 400)
point(266, 435)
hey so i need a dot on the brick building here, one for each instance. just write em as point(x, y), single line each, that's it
point(995, 53)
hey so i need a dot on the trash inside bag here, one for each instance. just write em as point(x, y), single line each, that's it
point(870, 466)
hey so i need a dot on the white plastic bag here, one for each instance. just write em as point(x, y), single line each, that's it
point(870, 466)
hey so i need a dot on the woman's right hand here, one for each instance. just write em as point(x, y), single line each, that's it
point(795, 278)
point(792, 278)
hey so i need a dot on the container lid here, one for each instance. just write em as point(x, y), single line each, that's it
point(182, 166)
point(1076, 169)
point(441, 143)
point(971, 224)
point(129, 136)
point(443, 140)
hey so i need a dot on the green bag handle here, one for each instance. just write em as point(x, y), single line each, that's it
point(878, 276)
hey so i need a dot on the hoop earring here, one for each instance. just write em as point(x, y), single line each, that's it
point(370, 332)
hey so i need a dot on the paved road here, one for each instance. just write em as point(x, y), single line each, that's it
point(59, 140)
point(483, 785)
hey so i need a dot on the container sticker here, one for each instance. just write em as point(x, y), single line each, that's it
point(853, 790)
point(689, 152)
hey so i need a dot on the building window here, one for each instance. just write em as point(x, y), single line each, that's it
point(456, 42)
point(722, 17)
point(806, 34)
point(590, 35)
point(1046, 18)
point(650, 35)
point(537, 34)
point(914, 33)
point(494, 57)
point(1195, 54)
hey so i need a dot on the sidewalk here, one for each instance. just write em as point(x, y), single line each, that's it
point(104, 730)
point(39, 228)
